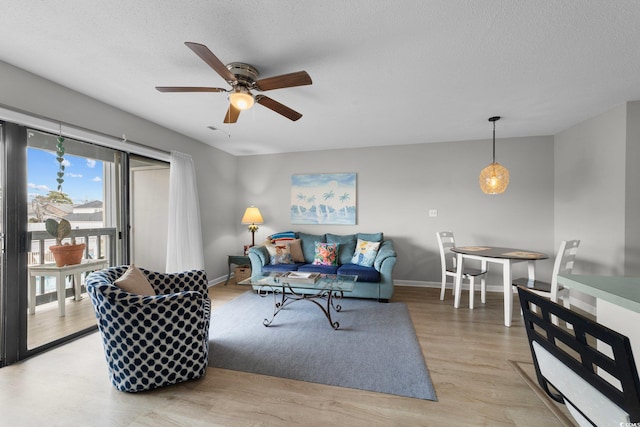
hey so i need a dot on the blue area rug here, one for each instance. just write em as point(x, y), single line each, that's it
point(375, 349)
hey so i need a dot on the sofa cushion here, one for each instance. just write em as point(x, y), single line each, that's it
point(326, 254)
point(322, 269)
point(281, 267)
point(371, 237)
point(347, 245)
point(365, 274)
point(365, 253)
point(308, 242)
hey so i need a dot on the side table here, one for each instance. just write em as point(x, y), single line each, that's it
point(237, 260)
point(60, 273)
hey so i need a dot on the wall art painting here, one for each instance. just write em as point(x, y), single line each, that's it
point(326, 198)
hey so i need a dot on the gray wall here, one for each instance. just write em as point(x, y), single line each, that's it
point(632, 212)
point(596, 194)
point(398, 185)
point(215, 169)
point(596, 191)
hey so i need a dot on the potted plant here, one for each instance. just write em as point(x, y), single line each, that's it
point(64, 254)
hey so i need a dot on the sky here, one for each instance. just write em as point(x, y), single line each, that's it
point(82, 179)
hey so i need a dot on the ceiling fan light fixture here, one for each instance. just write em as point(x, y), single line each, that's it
point(241, 99)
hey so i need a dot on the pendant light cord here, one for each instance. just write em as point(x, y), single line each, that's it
point(494, 119)
point(494, 142)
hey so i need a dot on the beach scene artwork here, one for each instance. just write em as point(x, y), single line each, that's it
point(327, 198)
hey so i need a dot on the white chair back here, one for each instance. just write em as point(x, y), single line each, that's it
point(446, 241)
point(448, 262)
point(565, 259)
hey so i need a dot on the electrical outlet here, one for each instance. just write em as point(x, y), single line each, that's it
point(433, 212)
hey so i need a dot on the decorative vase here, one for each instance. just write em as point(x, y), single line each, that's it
point(67, 254)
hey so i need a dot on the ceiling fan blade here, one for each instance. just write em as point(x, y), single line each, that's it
point(232, 114)
point(277, 107)
point(189, 89)
point(299, 78)
point(207, 56)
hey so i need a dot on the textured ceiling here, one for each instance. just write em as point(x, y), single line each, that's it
point(384, 72)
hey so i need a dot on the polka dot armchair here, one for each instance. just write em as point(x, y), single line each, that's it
point(152, 341)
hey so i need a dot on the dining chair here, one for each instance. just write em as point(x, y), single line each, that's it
point(565, 258)
point(448, 261)
point(591, 369)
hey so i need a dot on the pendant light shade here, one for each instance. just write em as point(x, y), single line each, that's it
point(494, 179)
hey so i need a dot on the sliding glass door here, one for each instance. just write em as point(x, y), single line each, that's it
point(73, 181)
point(115, 205)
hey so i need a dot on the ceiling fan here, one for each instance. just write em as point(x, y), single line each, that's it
point(243, 78)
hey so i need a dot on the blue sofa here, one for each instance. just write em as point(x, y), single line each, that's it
point(373, 282)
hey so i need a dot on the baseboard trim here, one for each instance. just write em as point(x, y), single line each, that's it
point(541, 394)
point(425, 284)
point(218, 281)
point(490, 288)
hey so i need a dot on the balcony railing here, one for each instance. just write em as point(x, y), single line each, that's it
point(100, 244)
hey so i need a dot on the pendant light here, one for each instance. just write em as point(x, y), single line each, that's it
point(494, 179)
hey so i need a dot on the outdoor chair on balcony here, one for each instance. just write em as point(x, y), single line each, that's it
point(152, 340)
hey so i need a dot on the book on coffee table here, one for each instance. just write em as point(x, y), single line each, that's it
point(300, 277)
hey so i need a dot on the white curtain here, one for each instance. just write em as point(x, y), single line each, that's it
point(184, 239)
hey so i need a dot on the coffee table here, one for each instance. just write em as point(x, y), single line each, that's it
point(327, 289)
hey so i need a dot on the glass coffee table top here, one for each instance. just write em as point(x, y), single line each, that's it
point(334, 282)
point(321, 289)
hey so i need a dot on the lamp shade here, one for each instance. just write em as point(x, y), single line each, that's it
point(252, 215)
point(494, 179)
point(242, 100)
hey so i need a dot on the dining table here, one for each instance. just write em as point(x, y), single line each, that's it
point(497, 255)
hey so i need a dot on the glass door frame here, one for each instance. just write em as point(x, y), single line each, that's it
point(14, 287)
point(2, 246)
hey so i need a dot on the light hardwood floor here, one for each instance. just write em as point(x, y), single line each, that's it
point(46, 325)
point(466, 351)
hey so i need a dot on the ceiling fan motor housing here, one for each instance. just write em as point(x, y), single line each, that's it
point(245, 73)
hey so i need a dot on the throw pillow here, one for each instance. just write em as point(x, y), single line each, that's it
point(282, 255)
point(326, 254)
point(365, 253)
point(134, 282)
point(294, 247)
